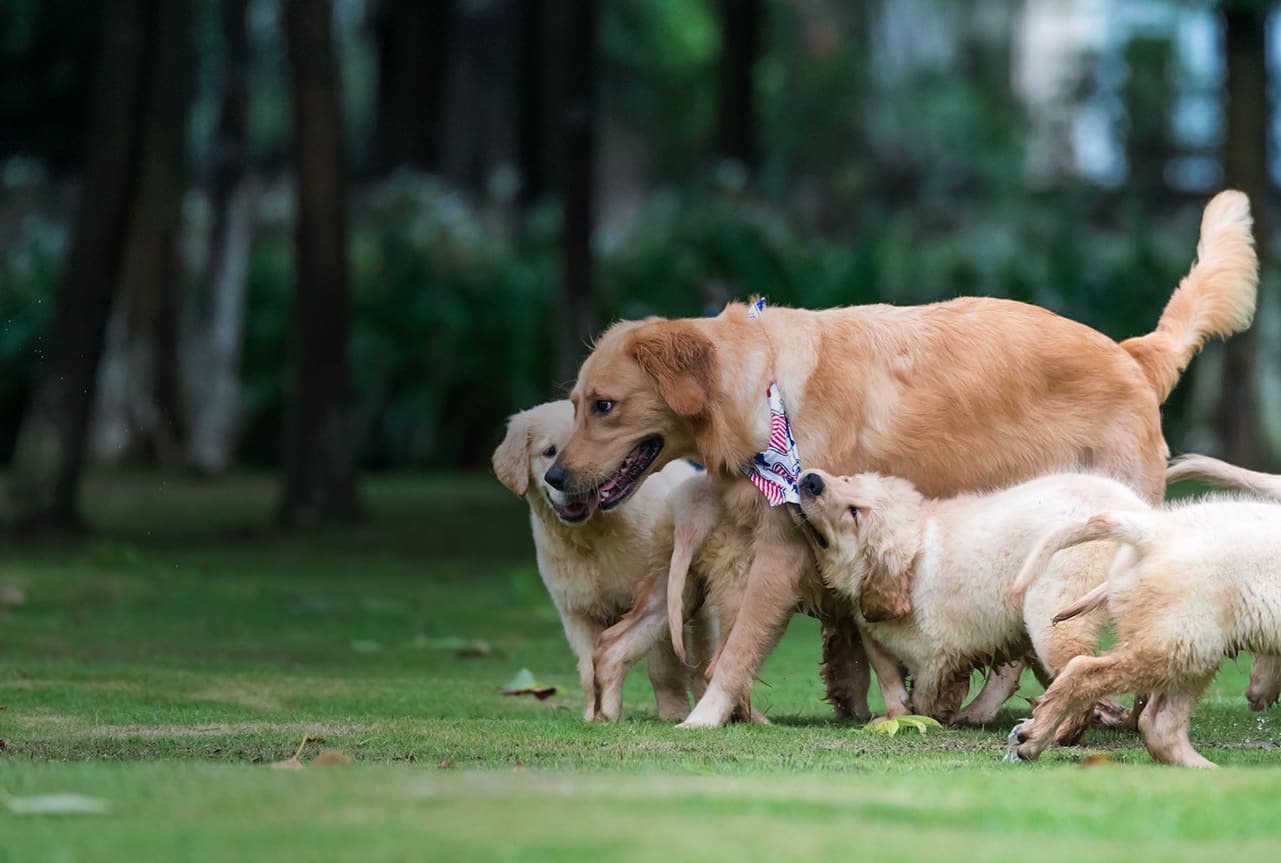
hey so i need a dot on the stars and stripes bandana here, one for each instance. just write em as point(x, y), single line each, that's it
point(775, 471)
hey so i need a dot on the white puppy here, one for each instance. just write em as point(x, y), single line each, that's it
point(1194, 583)
point(1265, 671)
point(591, 561)
point(952, 562)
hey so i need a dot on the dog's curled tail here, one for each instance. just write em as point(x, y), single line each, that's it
point(1220, 473)
point(1130, 528)
point(1216, 297)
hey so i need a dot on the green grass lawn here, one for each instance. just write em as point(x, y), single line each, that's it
point(165, 663)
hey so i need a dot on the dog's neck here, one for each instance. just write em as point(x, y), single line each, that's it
point(728, 437)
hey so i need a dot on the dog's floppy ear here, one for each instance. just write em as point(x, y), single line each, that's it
point(681, 360)
point(511, 459)
point(891, 543)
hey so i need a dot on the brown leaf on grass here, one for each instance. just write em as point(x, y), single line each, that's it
point(331, 758)
point(12, 595)
point(1098, 759)
point(520, 766)
point(1, 746)
point(444, 764)
point(524, 683)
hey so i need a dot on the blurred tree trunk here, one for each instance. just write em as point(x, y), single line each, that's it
point(1245, 161)
point(536, 55)
point(414, 41)
point(578, 144)
point(49, 454)
point(152, 277)
point(218, 329)
point(741, 27)
point(320, 474)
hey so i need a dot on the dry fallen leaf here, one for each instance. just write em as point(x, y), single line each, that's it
point(331, 758)
point(12, 595)
point(444, 764)
point(525, 684)
point(1098, 759)
point(520, 766)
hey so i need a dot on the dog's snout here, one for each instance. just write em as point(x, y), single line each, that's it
point(556, 477)
point(812, 484)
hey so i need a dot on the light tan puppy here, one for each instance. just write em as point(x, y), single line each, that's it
point(957, 558)
point(1265, 671)
point(965, 395)
point(1194, 583)
point(591, 562)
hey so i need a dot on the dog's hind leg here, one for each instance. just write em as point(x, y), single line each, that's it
point(845, 669)
point(1164, 725)
point(670, 679)
point(1265, 682)
point(999, 687)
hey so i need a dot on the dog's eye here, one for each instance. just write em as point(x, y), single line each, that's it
point(600, 407)
point(550, 452)
point(854, 512)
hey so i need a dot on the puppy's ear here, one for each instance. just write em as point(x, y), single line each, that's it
point(511, 459)
point(681, 360)
point(890, 547)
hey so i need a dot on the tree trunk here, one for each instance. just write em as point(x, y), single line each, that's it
point(536, 58)
point(218, 331)
point(320, 475)
point(1245, 159)
point(578, 143)
point(49, 454)
point(741, 22)
point(414, 41)
point(151, 278)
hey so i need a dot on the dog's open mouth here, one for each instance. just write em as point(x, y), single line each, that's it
point(626, 479)
point(572, 510)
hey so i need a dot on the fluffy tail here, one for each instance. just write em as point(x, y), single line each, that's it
point(1130, 528)
point(1215, 298)
point(696, 510)
point(1221, 473)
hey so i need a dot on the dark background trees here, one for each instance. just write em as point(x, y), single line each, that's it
point(219, 250)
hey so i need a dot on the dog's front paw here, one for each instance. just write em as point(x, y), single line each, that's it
point(1016, 750)
point(1108, 714)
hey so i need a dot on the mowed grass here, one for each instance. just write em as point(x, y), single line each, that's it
point(164, 663)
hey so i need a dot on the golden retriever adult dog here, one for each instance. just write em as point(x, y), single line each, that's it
point(590, 562)
point(1193, 584)
point(970, 394)
point(958, 557)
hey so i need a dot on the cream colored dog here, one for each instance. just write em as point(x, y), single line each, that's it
point(961, 396)
point(1265, 671)
point(591, 562)
point(957, 558)
point(1194, 583)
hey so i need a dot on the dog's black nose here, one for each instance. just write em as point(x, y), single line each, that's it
point(556, 477)
point(812, 484)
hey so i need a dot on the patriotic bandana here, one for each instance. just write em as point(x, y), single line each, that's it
point(776, 470)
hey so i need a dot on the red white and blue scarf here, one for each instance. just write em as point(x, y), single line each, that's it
point(776, 470)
